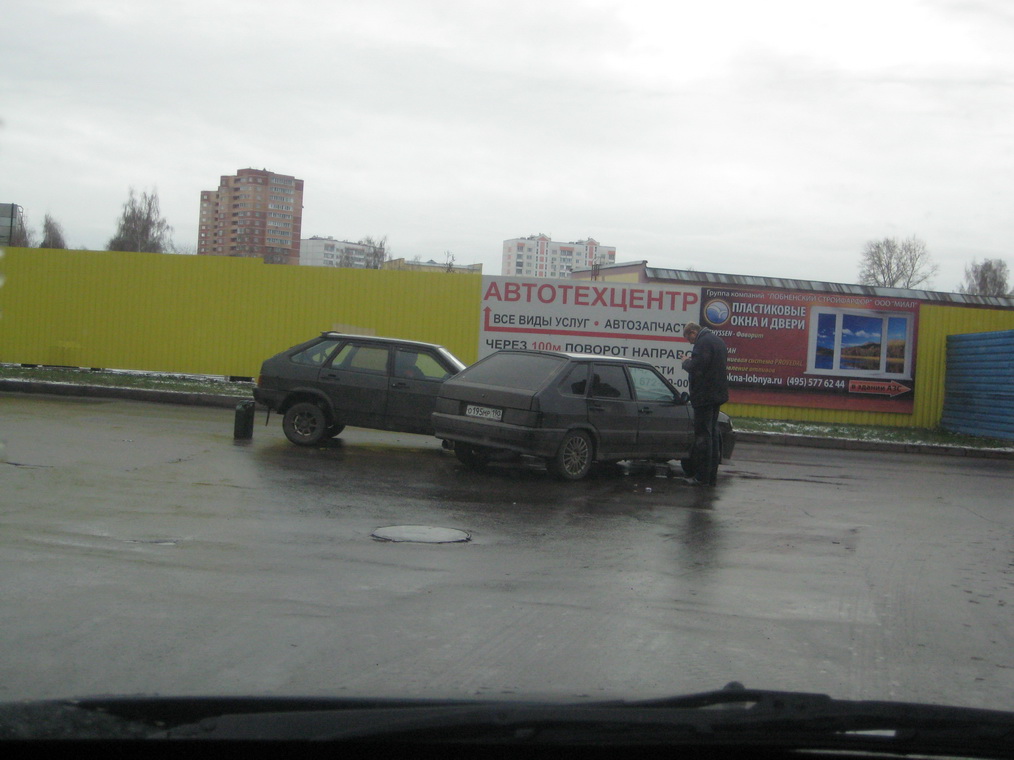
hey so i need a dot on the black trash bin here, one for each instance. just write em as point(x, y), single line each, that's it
point(243, 428)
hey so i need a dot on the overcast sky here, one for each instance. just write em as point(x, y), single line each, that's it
point(763, 138)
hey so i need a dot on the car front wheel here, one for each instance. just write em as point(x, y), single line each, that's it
point(574, 458)
point(305, 424)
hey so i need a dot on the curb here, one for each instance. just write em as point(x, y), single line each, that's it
point(853, 444)
point(131, 394)
point(230, 402)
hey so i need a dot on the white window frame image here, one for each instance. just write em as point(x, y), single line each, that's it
point(840, 315)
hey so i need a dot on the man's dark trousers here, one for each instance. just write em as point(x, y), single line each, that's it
point(706, 443)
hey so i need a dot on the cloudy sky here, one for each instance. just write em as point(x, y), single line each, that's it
point(765, 138)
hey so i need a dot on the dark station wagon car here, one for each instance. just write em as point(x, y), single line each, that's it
point(571, 410)
point(336, 380)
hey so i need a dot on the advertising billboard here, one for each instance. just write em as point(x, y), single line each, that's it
point(600, 318)
point(786, 348)
point(823, 350)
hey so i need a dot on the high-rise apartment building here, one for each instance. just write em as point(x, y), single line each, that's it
point(539, 256)
point(254, 213)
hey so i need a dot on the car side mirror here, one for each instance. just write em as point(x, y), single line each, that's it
point(684, 398)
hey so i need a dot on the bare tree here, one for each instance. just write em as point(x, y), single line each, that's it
point(347, 257)
point(448, 261)
point(52, 234)
point(893, 264)
point(21, 235)
point(378, 252)
point(988, 278)
point(141, 226)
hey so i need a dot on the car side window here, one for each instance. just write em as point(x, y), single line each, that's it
point(433, 368)
point(610, 381)
point(316, 354)
point(649, 385)
point(575, 382)
point(361, 359)
point(418, 365)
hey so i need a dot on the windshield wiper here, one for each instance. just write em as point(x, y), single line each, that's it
point(729, 718)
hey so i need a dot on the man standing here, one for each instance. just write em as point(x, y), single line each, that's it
point(709, 389)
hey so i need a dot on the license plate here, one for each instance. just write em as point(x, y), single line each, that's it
point(484, 412)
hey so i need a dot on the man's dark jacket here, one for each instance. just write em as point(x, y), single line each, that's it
point(709, 383)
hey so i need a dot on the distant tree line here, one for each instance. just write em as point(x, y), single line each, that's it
point(23, 236)
point(889, 262)
point(140, 227)
point(892, 263)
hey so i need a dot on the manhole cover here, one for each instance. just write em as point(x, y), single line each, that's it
point(421, 534)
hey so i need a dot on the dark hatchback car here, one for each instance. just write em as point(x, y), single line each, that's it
point(571, 410)
point(336, 380)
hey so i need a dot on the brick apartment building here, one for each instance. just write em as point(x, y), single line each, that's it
point(254, 213)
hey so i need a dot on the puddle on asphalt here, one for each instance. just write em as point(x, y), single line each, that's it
point(421, 534)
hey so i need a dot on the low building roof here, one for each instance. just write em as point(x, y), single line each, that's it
point(693, 277)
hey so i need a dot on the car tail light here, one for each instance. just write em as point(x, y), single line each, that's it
point(523, 417)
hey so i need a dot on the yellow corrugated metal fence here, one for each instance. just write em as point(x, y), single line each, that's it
point(210, 315)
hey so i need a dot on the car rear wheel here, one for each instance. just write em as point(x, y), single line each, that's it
point(475, 457)
point(305, 424)
point(575, 456)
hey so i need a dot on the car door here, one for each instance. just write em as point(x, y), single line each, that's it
point(356, 381)
point(298, 368)
point(612, 410)
point(664, 426)
point(416, 377)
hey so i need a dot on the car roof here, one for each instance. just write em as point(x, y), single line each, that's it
point(578, 357)
point(378, 339)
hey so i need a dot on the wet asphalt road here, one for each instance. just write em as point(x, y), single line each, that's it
point(143, 551)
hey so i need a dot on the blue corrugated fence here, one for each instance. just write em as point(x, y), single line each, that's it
point(979, 384)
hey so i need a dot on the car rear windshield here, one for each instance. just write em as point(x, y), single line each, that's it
point(520, 371)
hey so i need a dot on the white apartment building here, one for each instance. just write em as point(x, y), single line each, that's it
point(539, 256)
point(328, 252)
